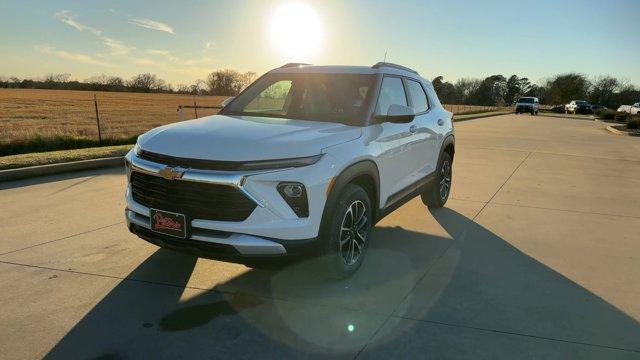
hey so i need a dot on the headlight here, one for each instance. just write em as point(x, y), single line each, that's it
point(137, 149)
point(295, 195)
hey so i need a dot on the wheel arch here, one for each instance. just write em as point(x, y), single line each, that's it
point(363, 173)
point(448, 146)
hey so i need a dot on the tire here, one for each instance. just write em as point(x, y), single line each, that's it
point(347, 232)
point(438, 193)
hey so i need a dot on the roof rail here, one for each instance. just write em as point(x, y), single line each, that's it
point(394, 66)
point(288, 65)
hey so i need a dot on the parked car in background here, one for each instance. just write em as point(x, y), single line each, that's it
point(578, 107)
point(598, 107)
point(631, 109)
point(529, 105)
point(560, 109)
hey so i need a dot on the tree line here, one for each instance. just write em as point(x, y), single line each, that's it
point(497, 90)
point(220, 82)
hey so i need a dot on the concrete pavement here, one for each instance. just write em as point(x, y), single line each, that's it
point(536, 255)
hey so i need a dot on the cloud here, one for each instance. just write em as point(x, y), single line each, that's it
point(117, 47)
point(164, 53)
point(145, 62)
point(172, 58)
point(69, 18)
point(152, 24)
point(77, 57)
point(209, 45)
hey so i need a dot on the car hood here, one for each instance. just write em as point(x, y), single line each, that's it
point(245, 138)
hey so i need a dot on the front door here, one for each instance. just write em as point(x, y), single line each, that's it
point(394, 140)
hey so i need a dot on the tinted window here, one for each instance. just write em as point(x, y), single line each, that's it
point(526, 101)
point(341, 98)
point(418, 97)
point(271, 99)
point(391, 92)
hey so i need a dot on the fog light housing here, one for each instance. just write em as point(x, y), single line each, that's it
point(295, 195)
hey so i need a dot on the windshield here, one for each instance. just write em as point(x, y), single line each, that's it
point(340, 98)
point(526, 101)
point(581, 102)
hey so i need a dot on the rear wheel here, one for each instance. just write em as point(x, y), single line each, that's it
point(438, 193)
point(348, 232)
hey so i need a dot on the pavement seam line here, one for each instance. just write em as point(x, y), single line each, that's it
point(62, 238)
point(517, 334)
point(550, 153)
point(501, 186)
point(567, 210)
point(214, 290)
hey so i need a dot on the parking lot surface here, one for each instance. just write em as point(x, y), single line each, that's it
point(536, 255)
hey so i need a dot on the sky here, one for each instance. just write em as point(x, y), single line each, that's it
point(184, 41)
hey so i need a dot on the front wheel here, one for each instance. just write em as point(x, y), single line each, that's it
point(348, 233)
point(438, 193)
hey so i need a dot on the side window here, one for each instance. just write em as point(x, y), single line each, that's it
point(272, 99)
point(391, 92)
point(418, 96)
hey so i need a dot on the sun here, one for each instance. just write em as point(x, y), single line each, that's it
point(296, 31)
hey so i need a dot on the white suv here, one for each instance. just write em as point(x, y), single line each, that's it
point(303, 162)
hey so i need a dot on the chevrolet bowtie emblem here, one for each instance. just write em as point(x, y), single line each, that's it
point(171, 173)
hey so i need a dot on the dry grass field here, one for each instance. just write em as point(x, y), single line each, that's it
point(27, 113)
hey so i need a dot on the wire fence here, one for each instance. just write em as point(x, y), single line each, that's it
point(29, 113)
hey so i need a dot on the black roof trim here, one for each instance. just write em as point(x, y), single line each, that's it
point(394, 66)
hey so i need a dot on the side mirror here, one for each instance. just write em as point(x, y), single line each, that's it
point(399, 114)
point(227, 101)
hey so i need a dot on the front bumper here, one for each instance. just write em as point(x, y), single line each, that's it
point(524, 108)
point(271, 230)
point(217, 245)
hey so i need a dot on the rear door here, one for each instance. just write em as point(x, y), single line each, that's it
point(421, 154)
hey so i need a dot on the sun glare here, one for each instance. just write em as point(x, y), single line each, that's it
point(296, 31)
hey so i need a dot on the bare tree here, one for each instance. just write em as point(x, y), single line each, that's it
point(228, 81)
point(146, 83)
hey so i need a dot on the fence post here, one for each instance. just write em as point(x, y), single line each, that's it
point(195, 106)
point(95, 103)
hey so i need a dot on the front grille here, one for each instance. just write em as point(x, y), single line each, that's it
point(195, 200)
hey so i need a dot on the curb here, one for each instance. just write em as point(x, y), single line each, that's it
point(41, 170)
point(561, 116)
point(479, 116)
point(612, 129)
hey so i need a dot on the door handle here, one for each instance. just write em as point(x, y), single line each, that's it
point(440, 122)
point(413, 129)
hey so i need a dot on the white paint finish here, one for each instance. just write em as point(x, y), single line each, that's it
point(403, 153)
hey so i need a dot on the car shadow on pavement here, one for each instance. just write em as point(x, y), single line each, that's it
point(472, 279)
